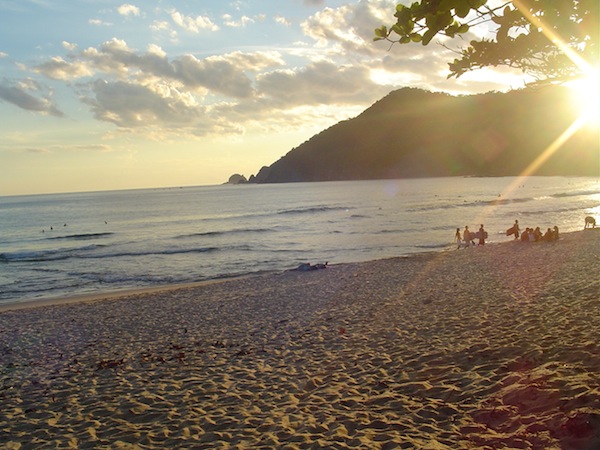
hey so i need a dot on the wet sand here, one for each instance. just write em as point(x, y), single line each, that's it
point(489, 347)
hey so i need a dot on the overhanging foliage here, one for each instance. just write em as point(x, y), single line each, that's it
point(550, 40)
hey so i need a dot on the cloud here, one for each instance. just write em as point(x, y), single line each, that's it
point(282, 21)
point(129, 105)
point(158, 110)
point(154, 92)
point(101, 148)
point(99, 23)
point(193, 24)
point(19, 96)
point(156, 50)
point(128, 10)
point(347, 32)
point(79, 148)
point(225, 74)
point(37, 150)
point(69, 46)
point(59, 69)
point(114, 57)
point(160, 25)
point(229, 21)
point(140, 90)
point(216, 74)
point(320, 83)
point(165, 94)
point(350, 26)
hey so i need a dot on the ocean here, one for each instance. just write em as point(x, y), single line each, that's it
point(69, 244)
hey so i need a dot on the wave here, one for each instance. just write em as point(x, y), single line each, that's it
point(84, 253)
point(391, 231)
point(29, 292)
point(120, 278)
point(432, 246)
point(444, 228)
point(82, 237)
point(576, 193)
point(505, 201)
point(313, 209)
point(552, 211)
point(248, 216)
point(226, 232)
point(473, 204)
point(388, 231)
point(44, 255)
point(177, 251)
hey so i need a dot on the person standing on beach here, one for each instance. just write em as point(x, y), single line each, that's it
point(481, 235)
point(467, 236)
point(457, 237)
point(516, 228)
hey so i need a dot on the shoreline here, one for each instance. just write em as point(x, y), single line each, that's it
point(107, 295)
point(490, 347)
point(125, 292)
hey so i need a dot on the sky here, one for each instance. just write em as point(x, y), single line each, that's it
point(102, 95)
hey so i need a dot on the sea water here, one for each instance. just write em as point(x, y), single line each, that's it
point(70, 244)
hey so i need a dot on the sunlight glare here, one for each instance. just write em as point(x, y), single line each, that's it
point(585, 95)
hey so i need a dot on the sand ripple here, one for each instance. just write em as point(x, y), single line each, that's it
point(493, 347)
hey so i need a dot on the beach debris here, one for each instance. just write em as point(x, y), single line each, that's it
point(304, 267)
point(580, 426)
point(109, 364)
point(244, 352)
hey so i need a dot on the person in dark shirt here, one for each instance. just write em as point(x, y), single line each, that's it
point(481, 235)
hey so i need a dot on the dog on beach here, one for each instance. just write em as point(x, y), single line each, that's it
point(589, 220)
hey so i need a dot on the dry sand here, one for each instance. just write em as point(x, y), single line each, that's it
point(493, 347)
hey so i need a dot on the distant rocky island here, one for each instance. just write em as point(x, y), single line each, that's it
point(236, 178)
point(415, 133)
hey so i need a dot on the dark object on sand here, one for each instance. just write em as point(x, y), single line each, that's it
point(307, 266)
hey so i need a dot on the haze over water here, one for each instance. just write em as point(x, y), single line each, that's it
point(68, 244)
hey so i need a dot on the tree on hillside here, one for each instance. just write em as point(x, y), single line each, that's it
point(550, 40)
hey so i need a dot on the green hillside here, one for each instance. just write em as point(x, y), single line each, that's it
point(415, 133)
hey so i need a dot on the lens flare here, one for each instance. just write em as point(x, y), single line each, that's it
point(585, 96)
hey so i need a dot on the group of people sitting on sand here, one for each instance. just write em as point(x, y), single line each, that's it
point(529, 235)
point(468, 238)
point(533, 234)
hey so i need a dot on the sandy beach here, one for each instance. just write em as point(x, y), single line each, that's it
point(493, 347)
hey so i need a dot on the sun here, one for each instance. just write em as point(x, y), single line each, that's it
point(585, 93)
